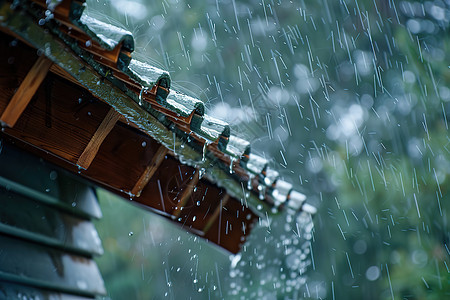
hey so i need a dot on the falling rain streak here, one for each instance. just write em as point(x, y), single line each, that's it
point(350, 101)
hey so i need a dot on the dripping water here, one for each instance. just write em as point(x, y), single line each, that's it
point(143, 89)
point(205, 148)
point(231, 164)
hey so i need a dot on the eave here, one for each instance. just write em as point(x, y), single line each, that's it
point(128, 148)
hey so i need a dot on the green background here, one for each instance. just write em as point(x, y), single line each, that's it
point(350, 100)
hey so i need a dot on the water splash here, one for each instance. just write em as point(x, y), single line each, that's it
point(277, 258)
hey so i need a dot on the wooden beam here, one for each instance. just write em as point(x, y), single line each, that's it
point(216, 213)
point(186, 194)
point(89, 153)
point(149, 171)
point(26, 91)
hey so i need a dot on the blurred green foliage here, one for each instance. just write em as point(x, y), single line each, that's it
point(349, 98)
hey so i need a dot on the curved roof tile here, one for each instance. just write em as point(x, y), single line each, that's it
point(145, 74)
point(107, 35)
point(237, 146)
point(256, 164)
point(212, 128)
point(185, 105)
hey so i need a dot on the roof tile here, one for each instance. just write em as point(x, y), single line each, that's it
point(184, 105)
point(107, 35)
point(145, 74)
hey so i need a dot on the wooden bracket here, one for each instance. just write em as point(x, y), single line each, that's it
point(89, 153)
point(26, 91)
point(149, 171)
point(186, 194)
point(216, 213)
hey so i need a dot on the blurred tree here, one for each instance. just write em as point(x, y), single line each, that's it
point(350, 99)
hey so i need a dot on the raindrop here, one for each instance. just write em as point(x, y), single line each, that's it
point(144, 143)
point(53, 174)
point(201, 173)
point(373, 273)
point(360, 247)
point(130, 233)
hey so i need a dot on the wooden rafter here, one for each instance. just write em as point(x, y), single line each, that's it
point(149, 171)
point(103, 130)
point(186, 194)
point(26, 91)
point(216, 213)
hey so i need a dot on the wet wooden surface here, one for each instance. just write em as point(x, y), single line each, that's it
point(26, 91)
point(61, 120)
point(89, 153)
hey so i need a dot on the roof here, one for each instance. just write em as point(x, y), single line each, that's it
point(100, 58)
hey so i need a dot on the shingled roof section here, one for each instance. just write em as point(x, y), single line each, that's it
point(148, 143)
